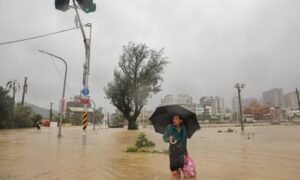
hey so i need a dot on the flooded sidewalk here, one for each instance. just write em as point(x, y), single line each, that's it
point(261, 153)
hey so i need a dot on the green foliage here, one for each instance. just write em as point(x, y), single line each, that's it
point(99, 115)
point(18, 116)
point(143, 142)
point(23, 117)
point(132, 149)
point(13, 86)
point(36, 118)
point(139, 75)
point(117, 119)
point(6, 109)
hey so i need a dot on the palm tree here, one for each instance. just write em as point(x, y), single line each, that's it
point(13, 86)
point(25, 86)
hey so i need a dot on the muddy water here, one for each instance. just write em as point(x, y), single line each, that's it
point(262, 153)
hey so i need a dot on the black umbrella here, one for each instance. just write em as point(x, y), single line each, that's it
point(162, 117)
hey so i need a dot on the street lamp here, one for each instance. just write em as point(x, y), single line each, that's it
point(239, 88)
point(64, 90)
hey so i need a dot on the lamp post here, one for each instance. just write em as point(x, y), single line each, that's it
point(239, 88)
point(64, 90)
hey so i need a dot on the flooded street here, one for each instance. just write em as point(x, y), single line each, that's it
point(271, 152)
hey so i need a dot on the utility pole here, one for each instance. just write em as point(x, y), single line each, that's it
point(63, 93)
point(24, 90)
point(298, 98)
point(239, 88)
point(50, 113)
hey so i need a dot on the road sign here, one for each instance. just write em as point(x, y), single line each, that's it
point(85, 101)
point(85, 91)
point(84, 120)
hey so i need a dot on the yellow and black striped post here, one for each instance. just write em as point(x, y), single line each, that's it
point(84, 120)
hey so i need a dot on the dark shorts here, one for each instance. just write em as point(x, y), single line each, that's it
point(176, 162)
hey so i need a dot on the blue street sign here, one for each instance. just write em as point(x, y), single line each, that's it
point(85, 91)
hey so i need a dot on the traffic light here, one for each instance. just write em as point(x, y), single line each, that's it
point(62, 5)
point(87, 5)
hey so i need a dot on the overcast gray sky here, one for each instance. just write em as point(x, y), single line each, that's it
point(211, 44)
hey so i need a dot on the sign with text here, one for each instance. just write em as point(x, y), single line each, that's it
point(85, 101)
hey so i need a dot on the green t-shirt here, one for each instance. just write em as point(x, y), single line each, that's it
point(172, 131)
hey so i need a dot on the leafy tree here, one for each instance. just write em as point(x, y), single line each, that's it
point(138, 76)
point(13, 86)
point(117, 119)
point(23, 116)
point(99, 115)
point(6, 109)
point(36, 118)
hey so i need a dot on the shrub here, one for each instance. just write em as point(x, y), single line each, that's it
point(143, 142)
point(132, 149)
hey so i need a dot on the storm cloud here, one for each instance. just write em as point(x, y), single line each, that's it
point(210, 44)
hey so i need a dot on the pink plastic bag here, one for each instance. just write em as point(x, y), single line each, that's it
point(189, 169)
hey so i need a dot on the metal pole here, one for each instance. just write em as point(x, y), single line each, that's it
point(50, 115)
point(241, 111)
point(86, 64)
point(298, 98)
point(94, 113)
point(64, 90)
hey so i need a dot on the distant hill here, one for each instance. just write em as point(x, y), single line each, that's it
point(39, 110)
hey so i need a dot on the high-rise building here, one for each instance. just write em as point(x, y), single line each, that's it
point(168, 99)
point(207, 102)
point(218, 106)
point(183, 100)
point(235, 104)
point(291, 100)
point(274, 98)
point(212, 106)
point(199, 109)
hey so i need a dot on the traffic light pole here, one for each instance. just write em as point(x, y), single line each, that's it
point(86, 66)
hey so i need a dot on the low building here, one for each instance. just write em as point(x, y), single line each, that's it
point(74, 110)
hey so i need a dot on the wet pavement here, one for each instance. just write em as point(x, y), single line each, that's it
point(261, 153)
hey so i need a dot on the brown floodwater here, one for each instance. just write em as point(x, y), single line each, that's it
point(261, 153)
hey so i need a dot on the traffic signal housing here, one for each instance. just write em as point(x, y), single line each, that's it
point(62, 5)
point(87, 5)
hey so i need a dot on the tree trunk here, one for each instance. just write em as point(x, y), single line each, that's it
point(132, 125)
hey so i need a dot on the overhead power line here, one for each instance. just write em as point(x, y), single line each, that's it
point(61, 76)
point(40, 36)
